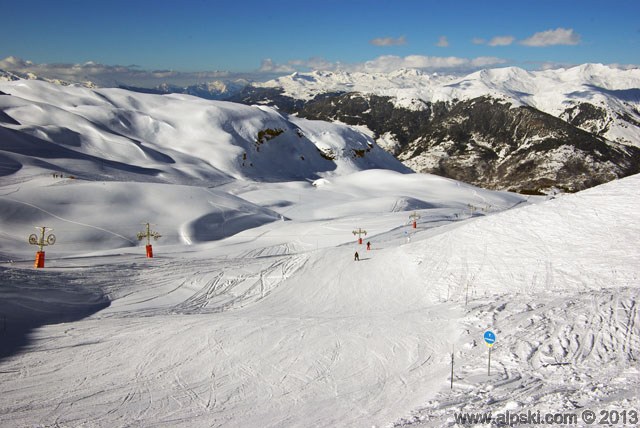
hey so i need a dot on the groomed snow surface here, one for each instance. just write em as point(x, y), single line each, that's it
point(279, 326)
point(253, 312)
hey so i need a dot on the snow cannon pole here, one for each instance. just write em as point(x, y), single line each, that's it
point(148, 234)
point(41, 242)
point(359, 232)
point(414, 219)
point(39, 262)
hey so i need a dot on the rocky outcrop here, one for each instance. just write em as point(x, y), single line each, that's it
point(484, 141)
point(493, 144)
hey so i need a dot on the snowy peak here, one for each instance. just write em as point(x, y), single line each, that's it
point(505, 128)
point(8, 76)
point(433, 87)
point(114, 134)
point(614, 90)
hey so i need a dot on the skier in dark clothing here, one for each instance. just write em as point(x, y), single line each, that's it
point(368, 246)
point(356, 257)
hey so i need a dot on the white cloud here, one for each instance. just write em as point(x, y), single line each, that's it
point(268, 66)
point(443, 42)
point(14, 63)
point(624, 66)
point(112, 75)
point(486, 61)
point(131, 75)
point(389, 41)
point(501, 41)
point(388, 63)
point(478, 41)
point(559, 36)
point(553, 65)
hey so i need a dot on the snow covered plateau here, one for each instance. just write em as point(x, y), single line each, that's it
point(253, 311)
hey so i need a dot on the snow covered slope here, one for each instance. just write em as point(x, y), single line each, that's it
point(278, 326)
point(113, 134)
point(558, 283)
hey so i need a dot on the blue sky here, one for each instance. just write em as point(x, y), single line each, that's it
point(280, 36)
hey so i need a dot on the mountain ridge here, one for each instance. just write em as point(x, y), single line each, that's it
point(114, 134)
point(415, 115)
point(429, 127)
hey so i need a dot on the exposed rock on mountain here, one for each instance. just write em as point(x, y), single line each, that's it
point(491, 141)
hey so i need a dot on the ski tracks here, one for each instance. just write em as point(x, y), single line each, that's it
point(551, 352)
point(251, 281)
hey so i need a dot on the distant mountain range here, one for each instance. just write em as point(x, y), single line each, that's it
point(504, 128)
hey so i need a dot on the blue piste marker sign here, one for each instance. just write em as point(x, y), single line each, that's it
point(489, 338)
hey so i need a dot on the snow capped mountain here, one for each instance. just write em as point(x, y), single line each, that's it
point(591, 116)
point(213, 90)
point(407, 83)
point(551, 91)
point(8, 76)
point(504, 128)
point(113, 134)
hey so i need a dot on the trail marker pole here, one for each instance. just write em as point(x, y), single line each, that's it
point(451, 368)
point(148, 233)
point(466, 295)
point(490, 339)
point(359, 232)
point(41, 242)
point(414, 217)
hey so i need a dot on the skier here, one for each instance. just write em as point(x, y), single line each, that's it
point(356, 257)
point(368, 246)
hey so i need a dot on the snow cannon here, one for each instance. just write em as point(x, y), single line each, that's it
point(41, 242)
point(148, 233)
point(359, 232)
point(414, 219)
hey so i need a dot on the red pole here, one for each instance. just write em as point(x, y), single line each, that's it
point(414, 224)
point(39, 263)
point(149, 251)
point(359, 240)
